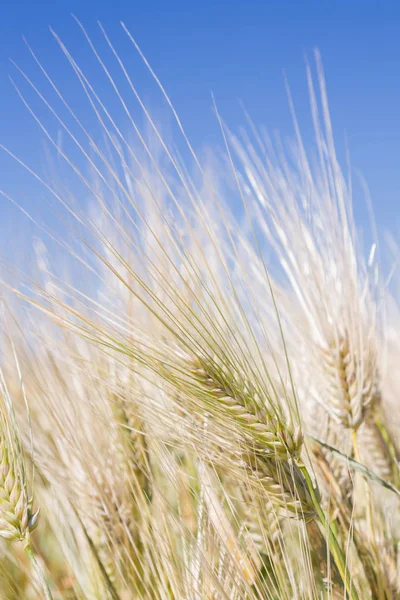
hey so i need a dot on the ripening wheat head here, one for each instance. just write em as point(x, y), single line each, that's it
point(17, 520)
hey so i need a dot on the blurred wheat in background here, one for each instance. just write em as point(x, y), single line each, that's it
point(204, 403)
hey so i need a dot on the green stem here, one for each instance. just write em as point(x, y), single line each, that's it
point(39, 572)
point(333, 543)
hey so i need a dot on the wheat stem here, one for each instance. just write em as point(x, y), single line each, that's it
point(39, 572)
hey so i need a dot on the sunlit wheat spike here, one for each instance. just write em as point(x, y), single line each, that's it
point(16, 518)
point(352, 384)
point(241, 402)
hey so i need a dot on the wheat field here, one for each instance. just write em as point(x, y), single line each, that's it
point(199, 393)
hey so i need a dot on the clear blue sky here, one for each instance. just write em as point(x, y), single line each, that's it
point(237, 50)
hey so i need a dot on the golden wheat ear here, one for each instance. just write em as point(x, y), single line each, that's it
point(17, 520)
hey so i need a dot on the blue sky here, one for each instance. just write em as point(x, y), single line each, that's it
point(237, 50)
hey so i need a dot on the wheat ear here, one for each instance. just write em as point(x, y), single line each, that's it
point(17, 520)
point(241, 401)
point(352, 388)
